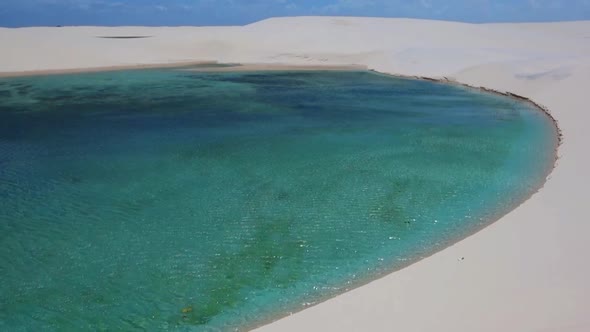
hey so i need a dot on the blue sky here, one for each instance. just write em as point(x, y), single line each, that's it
point(231, 12)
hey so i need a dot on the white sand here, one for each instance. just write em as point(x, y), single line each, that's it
point(530, 271)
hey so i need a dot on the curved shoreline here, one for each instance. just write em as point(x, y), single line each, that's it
point(520, 273)
point(550, 167)
point(508, 94)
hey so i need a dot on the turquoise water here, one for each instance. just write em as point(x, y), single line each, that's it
point(176, 200)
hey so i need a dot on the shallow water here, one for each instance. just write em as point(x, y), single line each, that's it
point(167, 199)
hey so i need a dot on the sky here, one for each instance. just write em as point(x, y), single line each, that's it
point(16, 13)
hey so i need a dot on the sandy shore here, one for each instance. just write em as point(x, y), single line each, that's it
point(526, 272)
point(276, 67)
point(102, 69)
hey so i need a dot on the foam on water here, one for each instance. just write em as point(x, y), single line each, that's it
point(167, 199)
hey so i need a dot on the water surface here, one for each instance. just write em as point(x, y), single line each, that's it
point(175, 200)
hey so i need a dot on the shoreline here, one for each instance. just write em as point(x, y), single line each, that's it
point(222, 67)
point(265, 67)
point(41, 72)
point(551, 165)
point(207, 67)
point(507, 94)
point(522, 272)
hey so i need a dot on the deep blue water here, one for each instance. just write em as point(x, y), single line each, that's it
point(177, 200)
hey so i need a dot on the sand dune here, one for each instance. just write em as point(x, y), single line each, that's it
point(526, 272)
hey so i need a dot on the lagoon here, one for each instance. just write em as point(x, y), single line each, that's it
point(181, 200)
